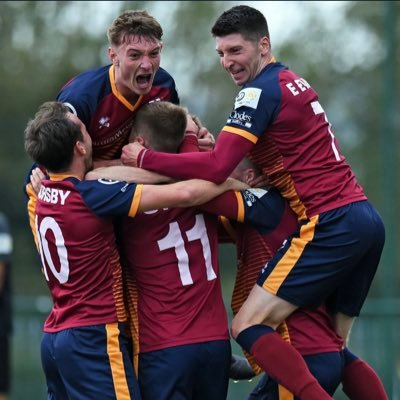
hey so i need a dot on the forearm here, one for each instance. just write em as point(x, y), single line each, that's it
point(128, 174)
point(214, 165)
point(204, 191)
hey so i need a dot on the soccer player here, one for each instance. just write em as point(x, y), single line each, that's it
point(172, 255)
point(106, 99)
point(85, 345)
point(278, 119)
point(6, 247)
point(264, 222)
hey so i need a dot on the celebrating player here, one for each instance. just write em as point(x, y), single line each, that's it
point(278, 119)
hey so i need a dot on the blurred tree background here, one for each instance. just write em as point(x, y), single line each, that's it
point(347, 51)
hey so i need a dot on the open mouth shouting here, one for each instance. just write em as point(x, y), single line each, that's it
point(144, 81)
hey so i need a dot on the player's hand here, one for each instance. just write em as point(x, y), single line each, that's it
point(206, 139)
point(259, 182)
point(36, 179)
point(130, 153)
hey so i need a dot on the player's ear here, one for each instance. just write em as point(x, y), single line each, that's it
point(249, 175)
point(264, 45)
point(80, 148)
point(112, 55)
point(140, 140)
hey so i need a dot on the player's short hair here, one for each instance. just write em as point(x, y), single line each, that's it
point(133, 23)
point(162, 124)
point(50, 137)
point(245, 20)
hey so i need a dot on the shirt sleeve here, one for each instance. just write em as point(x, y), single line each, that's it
point(215, 166)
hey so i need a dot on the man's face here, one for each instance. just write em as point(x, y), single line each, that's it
point(136, 61)
point(239, 57)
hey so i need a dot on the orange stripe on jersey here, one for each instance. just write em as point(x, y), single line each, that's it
point(268, 157)
point(119, 96)
point(240, 216)
point(31, 210)
point(131, 296)
point(284, 394)
point(135, 201)
point(228, 227)
point(60, 177)
point(116, 363)
point(241, 132)
point(287, 262)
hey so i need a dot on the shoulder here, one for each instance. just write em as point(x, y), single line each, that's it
point(164, 78)
point(88, 83)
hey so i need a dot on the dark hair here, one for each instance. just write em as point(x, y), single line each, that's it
point(247, 21)
point(133, 23)
point(162, 123)
point(50, 137)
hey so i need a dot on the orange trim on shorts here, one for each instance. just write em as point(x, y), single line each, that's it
point(117, 363)
point(292, 255)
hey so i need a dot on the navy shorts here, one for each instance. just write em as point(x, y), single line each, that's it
point(87, 363)
point(189, 372)
point(333, 255)
point(326, 367)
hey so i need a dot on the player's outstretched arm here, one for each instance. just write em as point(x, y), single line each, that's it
point(128, 174)
point(188, 193)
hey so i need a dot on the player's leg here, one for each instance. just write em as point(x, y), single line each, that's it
point(55, 385)
point(369, 232)
point(212, 373)
point(360, 381)
point(167, 373)
point(311, 265)
point(94, 363)
point(327, 369)
point(277, 357)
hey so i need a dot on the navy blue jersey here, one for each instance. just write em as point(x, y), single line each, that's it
point(108, 116)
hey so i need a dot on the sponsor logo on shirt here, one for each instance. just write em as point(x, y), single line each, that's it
point(248, 97)
point(250, 195)
point(240, 118)
point(104, 122)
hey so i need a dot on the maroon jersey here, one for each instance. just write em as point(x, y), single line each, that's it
point(108, 115)
point(75, 237)
point(268, 221)
point(278, 118)
point(173, 255)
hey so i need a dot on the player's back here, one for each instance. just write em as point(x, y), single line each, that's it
point(173, 254)
point(79, 256)
point(295, 143)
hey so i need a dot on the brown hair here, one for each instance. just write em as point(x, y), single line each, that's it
point(50, 137)
point(162, 124)
point(133, 23)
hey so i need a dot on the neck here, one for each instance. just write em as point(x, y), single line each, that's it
point(122, 89)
